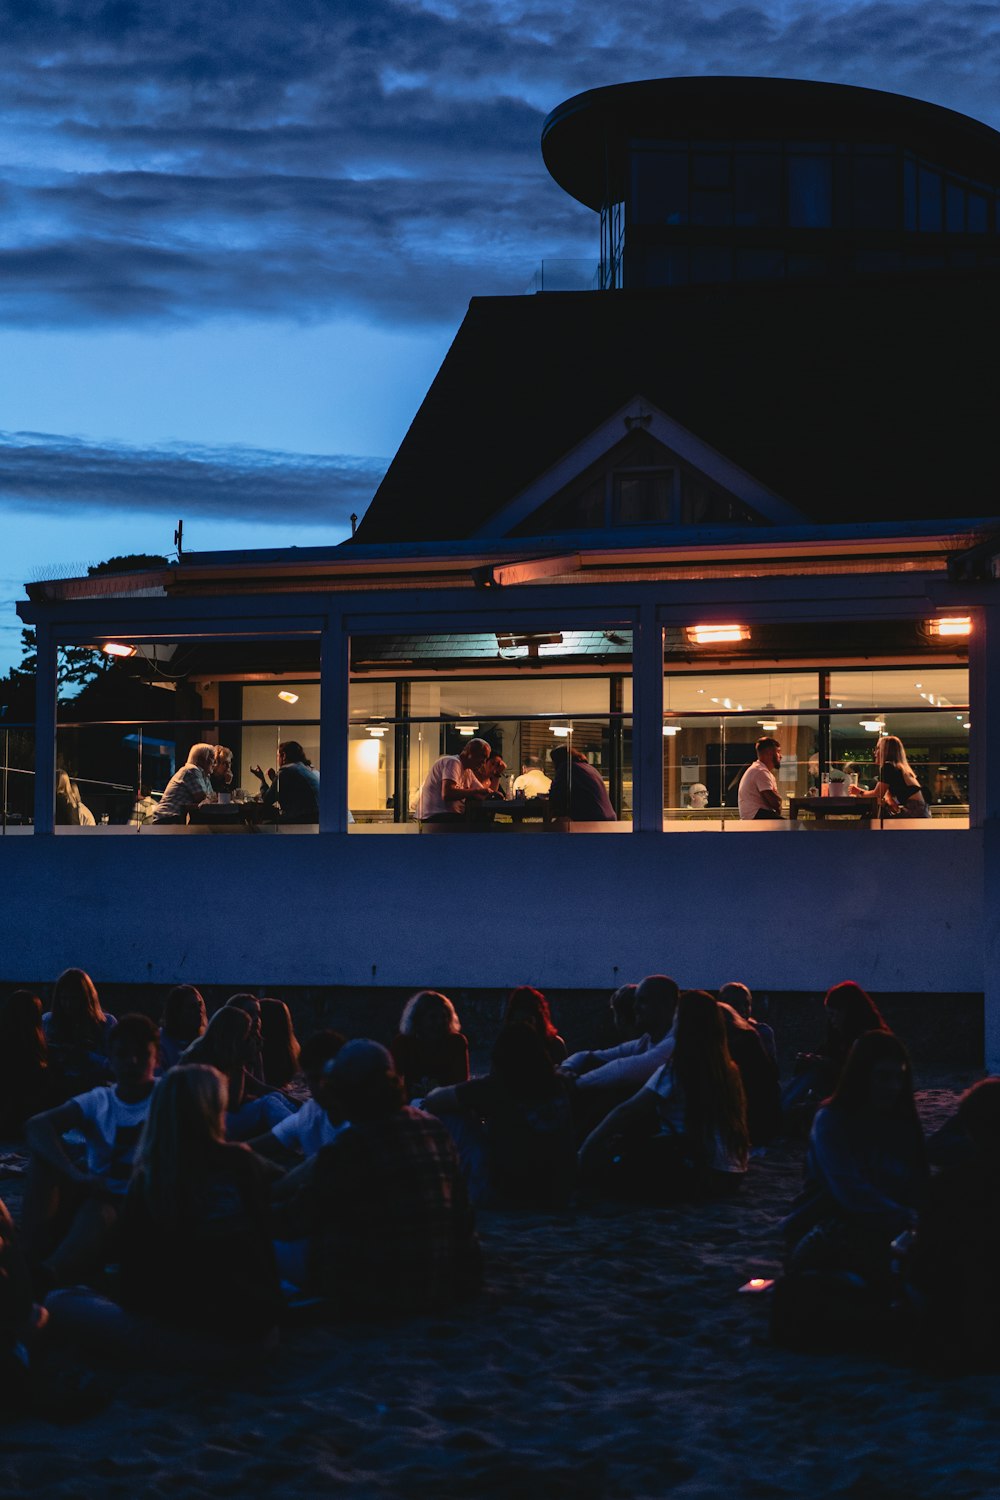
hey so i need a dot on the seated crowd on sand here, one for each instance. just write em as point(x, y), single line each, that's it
point(192, 1183)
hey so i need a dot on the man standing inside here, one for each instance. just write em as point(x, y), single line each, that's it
point(450, 782)
point(758, 791)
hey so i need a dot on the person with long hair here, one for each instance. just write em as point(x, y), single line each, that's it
point(78, 1032)
point(685, 1131)
point(194, 1246)
point(850, 1012)
point(189, 787)
point(184, 1021)
point(513, 1129)
point(758, 1074)
point(898, 788)
point(25, 1080)
point(228, 1045)
point(430, 1049)
point(530, 1006)
point(197, 1280)
point(279, 1046)
point(866, 1169)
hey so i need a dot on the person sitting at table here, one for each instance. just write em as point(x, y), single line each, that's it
point(532, 781)
point(189, 787)
point(491, 773)
point(897, 786)
point(294, 788)
point(222, 771)
point(452, 781)
point(578, 790)
point(758, 794)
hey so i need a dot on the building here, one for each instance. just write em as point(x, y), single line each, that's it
point(744, 486)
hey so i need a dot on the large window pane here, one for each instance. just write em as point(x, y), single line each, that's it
point(810, 194)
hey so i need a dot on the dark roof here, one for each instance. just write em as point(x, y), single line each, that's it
point(584, 140)
point(870, 402)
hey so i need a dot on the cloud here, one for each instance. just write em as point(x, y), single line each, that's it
point(175, 163)
point(42, 472)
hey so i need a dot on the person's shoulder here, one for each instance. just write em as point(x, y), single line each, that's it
point(92, 1101)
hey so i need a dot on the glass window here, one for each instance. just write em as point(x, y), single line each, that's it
point(712, 210)
point(641, 498)
point(659, 188)
point(809, 192)
point(713, 263)
point(760, 265)
point(874, 192)
point(930, 200)
point(954, 208)
point(710, 170)
point(909, 193)
point(757, 190)
point(976, 206)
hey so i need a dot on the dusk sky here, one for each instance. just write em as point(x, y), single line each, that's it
point(237, 238)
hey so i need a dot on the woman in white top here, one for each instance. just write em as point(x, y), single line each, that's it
point(189, 787)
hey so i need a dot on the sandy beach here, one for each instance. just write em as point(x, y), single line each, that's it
point(610, 1355)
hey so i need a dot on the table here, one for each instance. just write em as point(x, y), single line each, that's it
point(482, 812)
point(862, 809)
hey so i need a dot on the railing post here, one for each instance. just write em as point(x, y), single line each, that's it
point(647, 722)
point(45, 729)
point(984, 807)
point(333, 725)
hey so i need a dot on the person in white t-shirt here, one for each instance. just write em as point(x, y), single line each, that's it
point(300, 1135)
point(450, 782)
point(90, 1189)
point(533, 781)
point(758, 791)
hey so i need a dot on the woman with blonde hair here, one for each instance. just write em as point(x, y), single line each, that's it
point(228, 1045)
point(897, 786)
point(197, 1271)
point(430, 1050)
point(189, 787)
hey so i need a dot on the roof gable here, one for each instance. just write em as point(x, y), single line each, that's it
point(669, 444)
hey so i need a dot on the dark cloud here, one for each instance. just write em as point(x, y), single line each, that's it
point(46, 473)
point(175, 162)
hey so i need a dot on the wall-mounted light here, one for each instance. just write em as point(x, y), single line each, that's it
point(950, 626)
point(117, 648)
point(287, 697)
point(716, 635)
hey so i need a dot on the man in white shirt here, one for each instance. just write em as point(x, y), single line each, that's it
point(110, 1120)
point(533, 781)
point(758, 791)
point(450, 782)
point(616, 1072)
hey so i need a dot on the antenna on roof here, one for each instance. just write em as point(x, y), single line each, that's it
point(179, 539)
point(354, 523)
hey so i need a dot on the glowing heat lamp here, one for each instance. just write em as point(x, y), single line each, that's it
point(287, 697)
point(716, 635)
point(117, 648)
point(950, 625)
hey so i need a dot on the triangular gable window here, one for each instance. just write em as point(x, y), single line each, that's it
point(638, 483)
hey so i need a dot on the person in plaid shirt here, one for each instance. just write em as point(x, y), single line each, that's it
point(383, 1209)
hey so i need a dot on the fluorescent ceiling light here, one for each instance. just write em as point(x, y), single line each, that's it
point(287, 697)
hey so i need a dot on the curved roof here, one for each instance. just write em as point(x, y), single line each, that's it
point(584, 139)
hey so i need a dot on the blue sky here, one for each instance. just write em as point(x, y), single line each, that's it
point(237, 239)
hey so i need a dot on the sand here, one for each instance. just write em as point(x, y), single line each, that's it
point(609, 1356)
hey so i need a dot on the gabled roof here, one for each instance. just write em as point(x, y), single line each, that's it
point(671, 436)
point(865, 402)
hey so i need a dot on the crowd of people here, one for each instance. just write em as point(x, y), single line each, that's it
point(191, 1180)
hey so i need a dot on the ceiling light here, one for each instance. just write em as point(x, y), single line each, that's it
point(377, 730)
point(670, 730)
point(950, 625)
point(716, 635)
point(287, 697)
point(467, 729)
point(117, 648)
point(875, 726)
point(967, 724)
point(562, 731)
